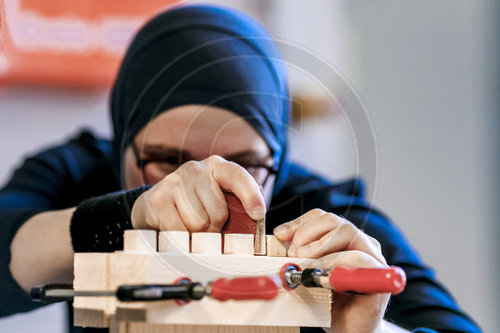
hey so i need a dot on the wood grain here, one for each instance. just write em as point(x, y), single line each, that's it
point(173, 241)
point(242, 244)
point(275, 247)
point(91, 272)
point(144, 241)
point(206, 242)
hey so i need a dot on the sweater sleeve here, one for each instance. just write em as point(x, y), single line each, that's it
point(56, 178)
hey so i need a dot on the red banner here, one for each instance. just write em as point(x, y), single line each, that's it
point(68, 42)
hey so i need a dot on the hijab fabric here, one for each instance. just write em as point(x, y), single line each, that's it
point(209, 55)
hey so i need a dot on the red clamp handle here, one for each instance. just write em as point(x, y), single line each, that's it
point(261, 287)
point(368, 280)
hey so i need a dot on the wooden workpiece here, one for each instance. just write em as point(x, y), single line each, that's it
point(144, 241)
point(158, 328)
point(275, 247)
point(285, 314)
point(173, 241)
point(91, 273)
point(242, 244)
point(206, 243)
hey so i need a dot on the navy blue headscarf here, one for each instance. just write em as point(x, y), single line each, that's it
point(203, 54)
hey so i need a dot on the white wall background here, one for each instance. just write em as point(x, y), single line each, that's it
point(426, 70)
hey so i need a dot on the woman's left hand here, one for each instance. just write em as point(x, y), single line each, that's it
point(334, 241)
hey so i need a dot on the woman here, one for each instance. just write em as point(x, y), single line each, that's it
point(200, 106)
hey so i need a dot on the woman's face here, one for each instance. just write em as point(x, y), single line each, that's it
point(195, 132)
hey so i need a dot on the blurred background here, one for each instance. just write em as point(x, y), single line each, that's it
point(427, 73)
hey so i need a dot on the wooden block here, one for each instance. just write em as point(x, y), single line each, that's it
point(115, 326)
point(107, 271)
point(91, 272)
point(275, 247)
point(300, 307)
point(174, 241)
point(242, 244)
point(260, 238)
point(144, 241)
point(158, 328)
point(206, 242)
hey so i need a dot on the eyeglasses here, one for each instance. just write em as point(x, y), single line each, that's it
point(156, 168)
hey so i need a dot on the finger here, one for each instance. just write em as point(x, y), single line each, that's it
point(286, 231)
point(191, 210)
point(315, 228)
point(169, 218)
point(345, 237)
point(377, 248)
point(348, 259)
point(234, 178)
point(214, 203)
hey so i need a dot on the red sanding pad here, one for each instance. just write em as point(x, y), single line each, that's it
point(238, 222)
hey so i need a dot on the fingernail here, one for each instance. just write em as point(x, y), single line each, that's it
point(281, 229)
point(291, 250)
point(257, 214)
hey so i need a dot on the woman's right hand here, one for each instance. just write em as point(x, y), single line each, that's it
point(191, 198)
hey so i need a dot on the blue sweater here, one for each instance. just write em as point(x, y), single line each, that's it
point(63, 176)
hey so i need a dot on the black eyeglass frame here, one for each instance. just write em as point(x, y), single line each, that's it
point(142, 163)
